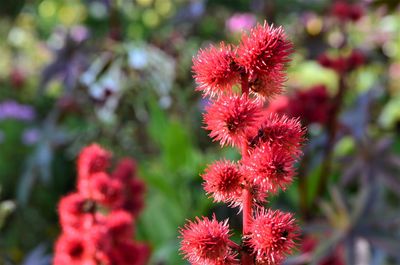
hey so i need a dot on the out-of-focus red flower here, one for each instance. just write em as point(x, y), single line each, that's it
point(73, 249)
point(345, 11)
point(341, 10)
point(223, 180)
point(342, 64)
point(105, 190)
point(356, 12)
point(17, 78)
point(127, 253)
point(356, 59)
point(312, 105)
point(92, 159)
point(269, 167)
point(273, 236)
point(230, 118)
point(95, 227)
point(215, 70)
point(119, 224)
point(125, 170)
point(206, 242)
point(263, 54)
point(133, 197)
point(74, 211)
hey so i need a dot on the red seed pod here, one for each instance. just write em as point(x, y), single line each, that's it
point(273, 236)
point(230, 118)
point(263, 53)
point(206, 242)
point(215, 70)
point(270, 168)
point(224, 181)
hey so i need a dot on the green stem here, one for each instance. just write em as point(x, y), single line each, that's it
point(332, 130)
point(303, 187)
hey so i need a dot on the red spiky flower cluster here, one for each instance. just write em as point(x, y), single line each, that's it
point(238, 80)
point(97, 220)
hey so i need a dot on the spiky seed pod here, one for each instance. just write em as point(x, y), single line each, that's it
point(231, 117)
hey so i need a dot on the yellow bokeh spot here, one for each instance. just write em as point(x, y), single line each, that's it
point(26, 21)
point(314, 26)
point(144, 2)
point(47, 9)
point(163, 7)
point(54, 89)
point(71, 14)
point(150, 18)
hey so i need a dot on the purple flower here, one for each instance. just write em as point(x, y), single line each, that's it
point(240, 21)
point(30, 136)
point(10, 109)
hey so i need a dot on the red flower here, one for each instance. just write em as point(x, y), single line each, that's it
point(73, 249)
point(224, 181)
point(230, 118)
point(206, 242)
point(342, 64)
point(279, 130)
point(356, 59)
point(269, 168)
point(74, 211)
point(215, 70)
point(273, 235)
point(263, 53)
point(119, 225)
point(98, 236)
point(129, 253)
point(312, 105)
point(341, 10)
point(95, 229)
point(133, 197)
point(125, 170)
point(133, 188)
point(356, 12)
point(345, 11)
point(105, 190)
point(92, 159)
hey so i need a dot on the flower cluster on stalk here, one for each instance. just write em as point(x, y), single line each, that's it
point(97, 220)
point(239, 80)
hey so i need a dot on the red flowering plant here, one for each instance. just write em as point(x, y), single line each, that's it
point(97, 220)
point(269, 145)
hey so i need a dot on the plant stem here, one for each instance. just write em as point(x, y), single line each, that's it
point(247, 210)
point(303, 187)
point(332, 130)
point(247, 218)
point(246, 258)
point(245, 84)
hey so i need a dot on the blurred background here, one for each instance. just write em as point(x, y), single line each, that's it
point(118, 72)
